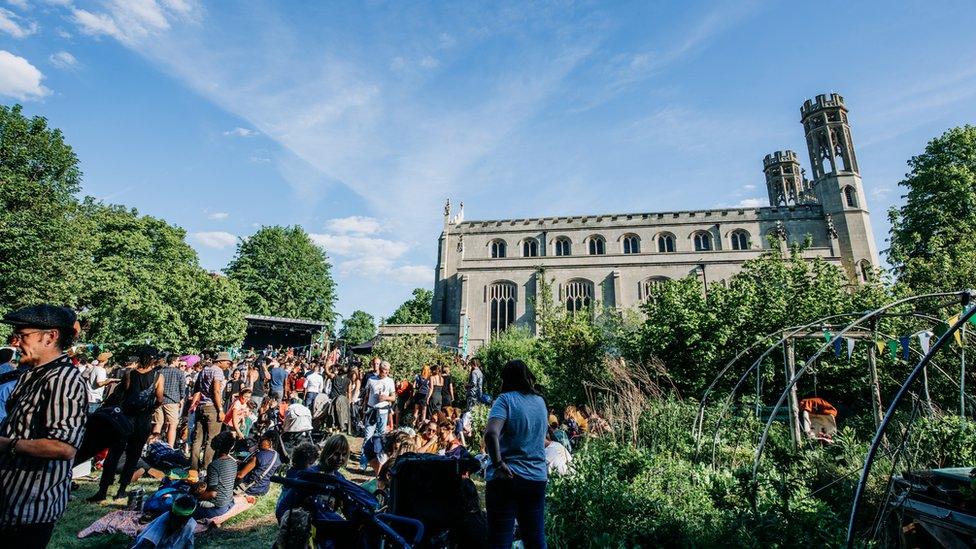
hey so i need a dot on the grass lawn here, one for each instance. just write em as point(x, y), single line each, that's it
point(255, 527)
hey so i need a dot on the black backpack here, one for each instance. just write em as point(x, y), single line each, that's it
point(144, 401)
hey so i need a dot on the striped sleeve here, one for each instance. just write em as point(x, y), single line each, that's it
point(66, 414)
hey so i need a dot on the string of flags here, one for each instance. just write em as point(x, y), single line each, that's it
point(900, 347)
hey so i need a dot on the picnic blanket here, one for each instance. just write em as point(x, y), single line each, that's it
point(127, 522)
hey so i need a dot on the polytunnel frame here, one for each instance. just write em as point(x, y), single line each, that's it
point(886, 420)
point(806, 365)
point(746, 374)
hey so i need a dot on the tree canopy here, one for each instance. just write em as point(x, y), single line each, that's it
point(358, 328)
point(43, 238)
point(933, 235)
point(283, 273)
point(134, 278)
point(415, 310)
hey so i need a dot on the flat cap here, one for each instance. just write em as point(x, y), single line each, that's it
point(42, 316)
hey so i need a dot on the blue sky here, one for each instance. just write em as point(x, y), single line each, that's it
point(356, 120)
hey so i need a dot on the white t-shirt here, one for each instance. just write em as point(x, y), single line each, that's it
point(377, 387)
point(298, 419)
point(96, 375)
point(558, 458)
point(314, 383)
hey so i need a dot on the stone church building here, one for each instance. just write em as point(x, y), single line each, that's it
point(487, 273)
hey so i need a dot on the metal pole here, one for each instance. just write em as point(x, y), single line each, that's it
point(962, 376)
point(902, 391)
point(794, 404)
point(873, 372)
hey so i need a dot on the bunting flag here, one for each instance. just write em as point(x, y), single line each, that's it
point(893, 349)
point(827, 335)
point(940, 330)
point(850, 348)
point(924, 339)
point(957, 334)
point(880, 344)
point(905, 341)
point(837, 344)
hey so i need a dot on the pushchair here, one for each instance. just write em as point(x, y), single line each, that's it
point(434, 490)
point(343, 515)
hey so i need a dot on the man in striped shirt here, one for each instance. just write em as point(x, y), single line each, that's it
point(44, 426)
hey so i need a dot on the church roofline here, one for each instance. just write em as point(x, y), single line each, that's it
point(637, 216)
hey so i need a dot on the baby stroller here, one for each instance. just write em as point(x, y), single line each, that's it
point(434, 490)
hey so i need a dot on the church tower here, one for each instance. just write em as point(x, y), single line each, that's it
point(837, 181)
point(785, 180)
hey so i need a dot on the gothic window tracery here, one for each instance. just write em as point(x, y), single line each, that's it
point(631, 244)
point(530, 247)
point(740, 240)
point(850, 196)
point(703, 241)
point(578, 295)
point(498, 249)
point(501, 305)
point(666, 243)
point(651, 286)
point(598, 246)
point(563, 246)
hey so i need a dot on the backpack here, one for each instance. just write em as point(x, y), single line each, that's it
point(144, 401)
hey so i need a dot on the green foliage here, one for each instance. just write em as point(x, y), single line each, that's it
point(283, 273)
point(933, 235)
point(415, 310)
point(407, 354)
point(43, 236)
point(134, 277)
point(516, 343)
point(358, 328)
point(146, 285)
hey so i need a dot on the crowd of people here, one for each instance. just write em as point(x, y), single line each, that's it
point(228, 423)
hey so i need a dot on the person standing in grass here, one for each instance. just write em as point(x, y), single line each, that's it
point(515, 440)
point(44, 428)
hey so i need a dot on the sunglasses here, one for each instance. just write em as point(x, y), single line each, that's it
point(21, 336)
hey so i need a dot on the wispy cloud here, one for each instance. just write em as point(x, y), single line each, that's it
point(15, 25)
point(19, 79)
point(63, 60)
point(354, 224)
point(215, 239)
point(218, 216)
point(751, 203)
point(240, 132)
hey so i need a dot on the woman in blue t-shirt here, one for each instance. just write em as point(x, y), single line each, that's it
point(254, 476)
point(515, 440)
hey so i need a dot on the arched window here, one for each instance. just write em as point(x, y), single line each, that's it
point(501, 306)
point(563, 246)
point(665, 243)
point(850, 196)
point(740, 240)
point(498, 248)
point(530, 247)
point(578, 295)
point(703, 242)
point(650, 287)
point(864, 270)
point(631, 244)
point(598, 246)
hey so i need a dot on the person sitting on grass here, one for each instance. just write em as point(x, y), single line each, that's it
point(216, 494)
point(302, 459)
point(171, 530)
point(427, 442)
point(254, 477)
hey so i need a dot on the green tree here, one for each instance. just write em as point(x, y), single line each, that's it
point(933, 235)
point(44, 242)
point(358, 328)
point(283, 273)
point(409, 353)
point(146, 284)
point(415, 310)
